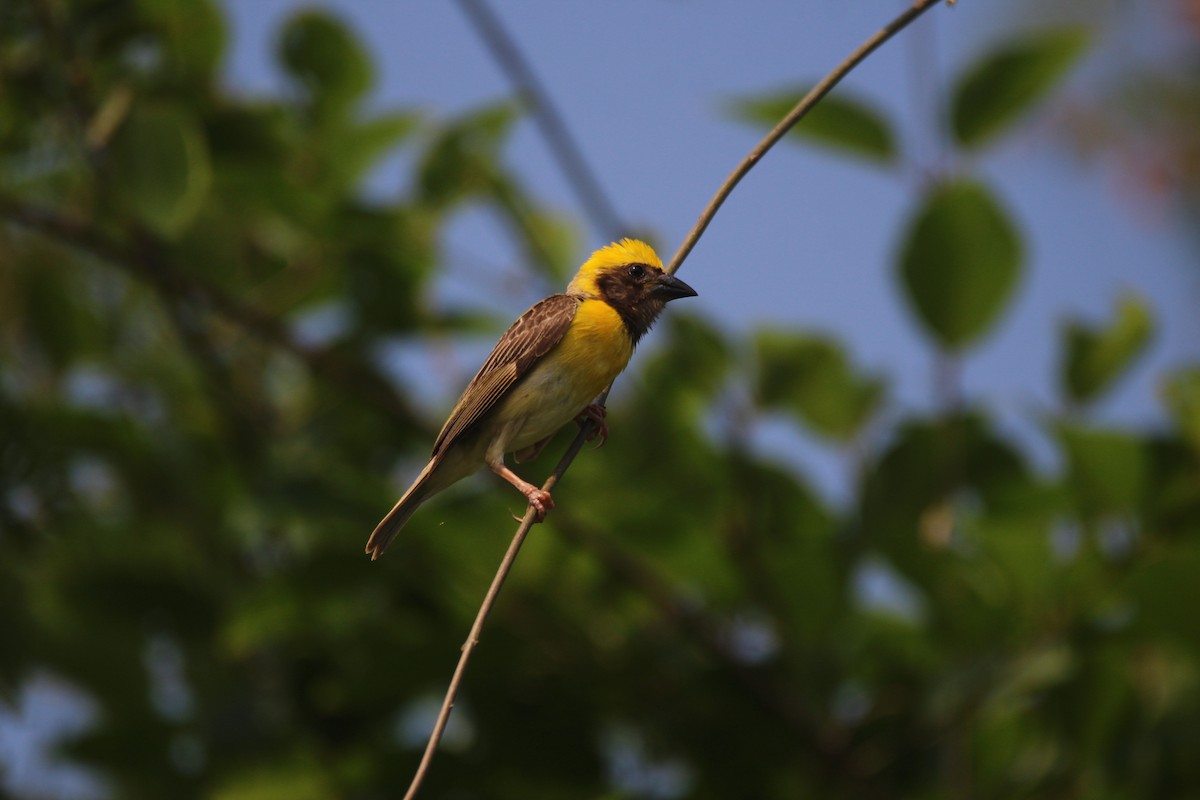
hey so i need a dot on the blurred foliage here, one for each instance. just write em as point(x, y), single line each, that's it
point(1009, 80)
point(810, 376)
point(1095, 358)
point(959, 262)
point(839, 121)
point(187, 481)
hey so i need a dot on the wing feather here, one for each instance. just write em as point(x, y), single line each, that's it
point(532, 336)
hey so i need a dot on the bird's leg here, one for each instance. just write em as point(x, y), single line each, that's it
point(538, 498)
point(596, 413)
point(531, 452)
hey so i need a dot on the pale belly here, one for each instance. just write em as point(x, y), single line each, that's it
point(550, 401)
point(587, 360)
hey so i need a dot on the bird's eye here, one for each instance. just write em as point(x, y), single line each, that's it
point(637, 272)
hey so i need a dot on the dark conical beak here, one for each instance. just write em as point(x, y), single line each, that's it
point(669, 287)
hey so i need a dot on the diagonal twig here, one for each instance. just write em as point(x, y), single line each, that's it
point(484, 609)
point(795, 115)
point(798, 111)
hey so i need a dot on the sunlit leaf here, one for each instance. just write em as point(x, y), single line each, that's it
point(839, 121)
point(959, 262)
point(280, 781)
point(161, 166)
point(1030, 674)
point(1007, 82)
point(1095, 358)
point(811, 377)
point(1181, 395)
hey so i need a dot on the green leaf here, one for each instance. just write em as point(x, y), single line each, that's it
point(1181, 395)
point(1107, 469)
point(1028, 675)
point(162, 166)
point(299, 780)
point(912, 490)
point(1096, 358)
point(322, 54)
point(811, 377)
point(696, 348)
point(387, 257)
point(1004, 85)
point(552, 242)
point(51, 310)
point(682, 377)
point(1157, 586)
point(1019, 546)
point(362, 145)
point(194, 33)
point(838, 121)
point(462, 160)
point(959, 263)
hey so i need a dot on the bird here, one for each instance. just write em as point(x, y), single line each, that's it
point(545, 370)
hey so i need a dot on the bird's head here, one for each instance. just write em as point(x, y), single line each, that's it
point(629, 276)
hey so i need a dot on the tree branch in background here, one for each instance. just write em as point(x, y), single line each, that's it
point(196, 337)
point(597, 206)
point(149, 263)
point(723, 192)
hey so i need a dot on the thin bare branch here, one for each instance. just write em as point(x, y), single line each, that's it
point(735, 177)
point(485, 609)
point(597, 206)
point(795, 115)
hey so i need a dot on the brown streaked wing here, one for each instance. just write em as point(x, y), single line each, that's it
point(529, 338)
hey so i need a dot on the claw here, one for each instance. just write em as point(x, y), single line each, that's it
point(541, 502)
point(540, 499)
point(595, 413)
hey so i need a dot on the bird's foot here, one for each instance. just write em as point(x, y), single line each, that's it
point(595, 413)
point(539, 499)
point(541, 502)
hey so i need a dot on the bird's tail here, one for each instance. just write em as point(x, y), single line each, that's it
point(387, 529)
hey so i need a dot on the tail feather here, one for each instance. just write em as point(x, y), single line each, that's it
point(387, 529)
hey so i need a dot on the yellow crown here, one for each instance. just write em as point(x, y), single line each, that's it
point(617, 254)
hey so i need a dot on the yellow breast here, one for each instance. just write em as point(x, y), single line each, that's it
point(596, 347)
point(593, 351)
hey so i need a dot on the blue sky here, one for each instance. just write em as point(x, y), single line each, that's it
point(808, 239)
